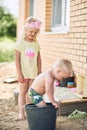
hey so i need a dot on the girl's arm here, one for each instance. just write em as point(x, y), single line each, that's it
point(39, 63)
point(18, 66)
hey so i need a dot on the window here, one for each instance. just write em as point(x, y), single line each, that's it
point(31, 11)
point(60, 16)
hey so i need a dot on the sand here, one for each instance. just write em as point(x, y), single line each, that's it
point(9, 112)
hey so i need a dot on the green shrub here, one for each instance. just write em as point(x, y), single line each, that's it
point(6, 50)
point(6, 56)
point(7, 23)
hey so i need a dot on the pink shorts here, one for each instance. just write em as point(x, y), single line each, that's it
point(25, 80)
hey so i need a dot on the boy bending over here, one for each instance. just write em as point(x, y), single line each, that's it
point(44, 82)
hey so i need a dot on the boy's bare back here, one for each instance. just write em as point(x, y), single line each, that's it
point(41, 81)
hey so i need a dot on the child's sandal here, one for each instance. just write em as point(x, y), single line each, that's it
point(77, 114)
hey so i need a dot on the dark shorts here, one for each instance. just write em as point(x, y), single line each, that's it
point(35, 97)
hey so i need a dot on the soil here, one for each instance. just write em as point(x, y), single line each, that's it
point(9, 111)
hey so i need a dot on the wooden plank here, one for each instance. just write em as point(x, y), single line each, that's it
point(10, 80)
point(66, 109)
point(85, 88)
point(80, 81)
point(73, 100)
point(78, 95)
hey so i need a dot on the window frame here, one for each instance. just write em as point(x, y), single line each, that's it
point(31, 11)
point(63, 28)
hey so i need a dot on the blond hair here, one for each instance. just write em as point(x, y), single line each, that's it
point(29, 20)
point(65, 65)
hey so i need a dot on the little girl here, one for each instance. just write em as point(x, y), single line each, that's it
point(28, 61)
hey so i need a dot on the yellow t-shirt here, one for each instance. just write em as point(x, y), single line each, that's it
point(29, 52)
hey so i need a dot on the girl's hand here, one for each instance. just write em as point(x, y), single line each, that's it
point(21, 78)
point(55, 104)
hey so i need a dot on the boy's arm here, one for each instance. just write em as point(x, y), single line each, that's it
point(49, 88)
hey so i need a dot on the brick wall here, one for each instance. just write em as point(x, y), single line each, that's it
point(72, 45)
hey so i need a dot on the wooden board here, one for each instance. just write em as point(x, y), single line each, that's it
point(67, 108)
point(10, 80)
point(85, 88)
point(73, 101)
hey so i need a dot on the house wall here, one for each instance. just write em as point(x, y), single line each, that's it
point(23, 12)
point(72, 45)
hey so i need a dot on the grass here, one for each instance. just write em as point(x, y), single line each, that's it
point(6, 49)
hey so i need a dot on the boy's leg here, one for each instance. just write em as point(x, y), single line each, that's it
point(36, 98)
point(41, 104)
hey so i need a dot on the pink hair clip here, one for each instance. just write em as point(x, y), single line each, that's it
point(36, 24)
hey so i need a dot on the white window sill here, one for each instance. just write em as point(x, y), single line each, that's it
point(55, 31)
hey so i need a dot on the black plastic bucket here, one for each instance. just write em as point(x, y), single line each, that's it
point(41, 118)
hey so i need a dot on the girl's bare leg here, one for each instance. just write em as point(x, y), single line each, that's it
point(22, 100)
point(27, 97)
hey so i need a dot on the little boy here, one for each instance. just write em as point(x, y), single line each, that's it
point(44, 82)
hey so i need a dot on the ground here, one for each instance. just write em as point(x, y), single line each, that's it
point(9, 112)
